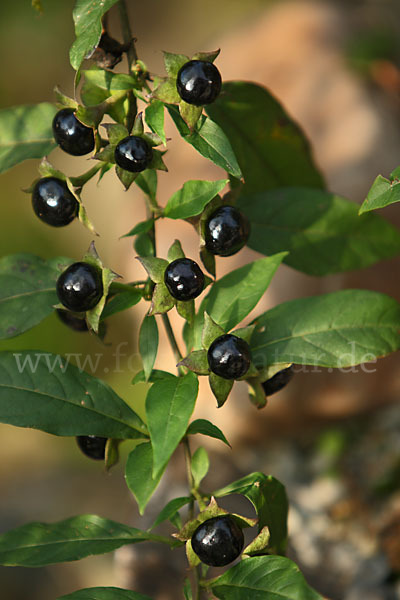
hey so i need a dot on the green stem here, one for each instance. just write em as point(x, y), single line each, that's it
point(171, 337)
point(80, 180)
point(116, 286)
point(132, 58)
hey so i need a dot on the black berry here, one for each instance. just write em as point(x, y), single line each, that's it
point(133, 154)
point(184, 279)
point(198, 82)
point(92, 445)
point(71, 135)
point(229, 356)
point(278, 381)
point(218, 541)
point(226, 231)
point(53, 203)
point(80, 287)
point(73, 321)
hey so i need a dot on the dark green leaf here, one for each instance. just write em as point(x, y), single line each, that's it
point(170, 510)
point(199, 465)
point(87, 16)
point(271, 149)
point(27, 291)
point(191, 199)
point(142, 227)
point(262, 577)
point(221, 388)
point(339, 329)
point(268, 497)
point(161, 301)
point(322, 232)
point(144, 245)
point(25, 132)
point(209, 140)
point(155, 118)
point(104, 593)
point(125, 177)
point(156, 375)
point(168, 420)
point(39, 544)
point(382, 193)
point(148, 344)
point(138, 474)
point(121, 302)
point(147, 181)
point(45, 391)
point(196, 361)
point(206, 428)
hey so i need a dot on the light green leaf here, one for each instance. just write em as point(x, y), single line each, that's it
point(45, 391)
point(271, 149)
point(322, 232)
point(39, 544)
point(104, 593)
point(339, 329)
point(25, 132)
point(148, 344)
point(191, 199)
point(168, 420)
point(382, 193)
point(210, 331)
point(155, 267)
point(161, 301)
point(138, 474)
point(87, 16)
point(109, 81)
point(173, 62)
point(154, 116)
point(206, 428)
point(199, 465)
point(147, 181)
point(170, 509)
point(262, 577)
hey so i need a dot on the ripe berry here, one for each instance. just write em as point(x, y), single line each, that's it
point(184, 279)
point(229, 356)
point(198, 82)
point(73, 321)
point(71, 135)
point(80, 287)
point(53, 203)
point(226, 231)
point(218, 541)
point(133, 154)
point(92, 445)
point(278, 381)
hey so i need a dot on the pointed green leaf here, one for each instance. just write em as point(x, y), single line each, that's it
point(108, 80)
point(121, 302)
point(138, 474)
point(25, 132)
point(144, 245)
point(210, 331)
point(262, 577)
point(259, 545)
point(104, 593)
point(142, 227)
point(186, 310)
point(199, 465)
point(206, 56)
point(45, 391)
point(170, 510)
point(148, 344)
point(271, 149)
point(322, 232)
point(190, 113)
point(168, 420)
point(206, 428)
point(155, 267)
point(125, 177)
point(155, 118)
point(221, 388)
point(382, 193)
point(115, 132)
point(27, 291)
point(147, 181)
point(161, 301)
point(173, 62)
point(191, 199)
point(39, 544)
point(209, 140)
point(166, 92)
point(156, 375)
point(175, 251)
point(339, 329)
point(196, 361)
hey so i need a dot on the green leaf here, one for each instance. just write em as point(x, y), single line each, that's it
point(259, 545)
point(125, 177)
point(173, 62)
point(39, 544)
point(199, 465)
point(175, 251)
point(170, 510)
point(144, 245)
point(209, 140)
point(268, 496)
point(232, 297)
point(147, 181)
point(138, 474)
point(142, 227)
point(155, 267)
point(190, 113)
point(271, 149)
point(187, 590)
point(382, 193)
point(168, 420)
point(339, 329)
point(45, 391)
point(87, 16)
point(186, 310)
point(196, 361)
point(206, 428)
point(115, 132)
point(206, 56)
point(221, 388)
point(108, 80)
point(154, 116)
point(156, 375)
point(25, 132)
point(210, 331)
point(27, 291)
point(262, 577)
point(161, 301)
point(121, 302)
point(148, 344)
point(166, 92)
point(322, 232)
point(104, 593)
point(191, 199)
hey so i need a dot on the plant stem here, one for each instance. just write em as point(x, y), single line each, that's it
point(132, 58)
point(171, 337)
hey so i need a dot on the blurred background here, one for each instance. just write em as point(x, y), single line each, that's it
point(333, 438)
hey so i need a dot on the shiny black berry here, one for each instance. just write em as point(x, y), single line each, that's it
point(72, 320)
point(226, 231)
point(80, 287)
point(278, 381)
point(184, 279)
point(229, 356)
point(53, 203)
point(71, 135)
point(198, 82)
point(218, 541)
point(133, 154)
point(92, 445)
